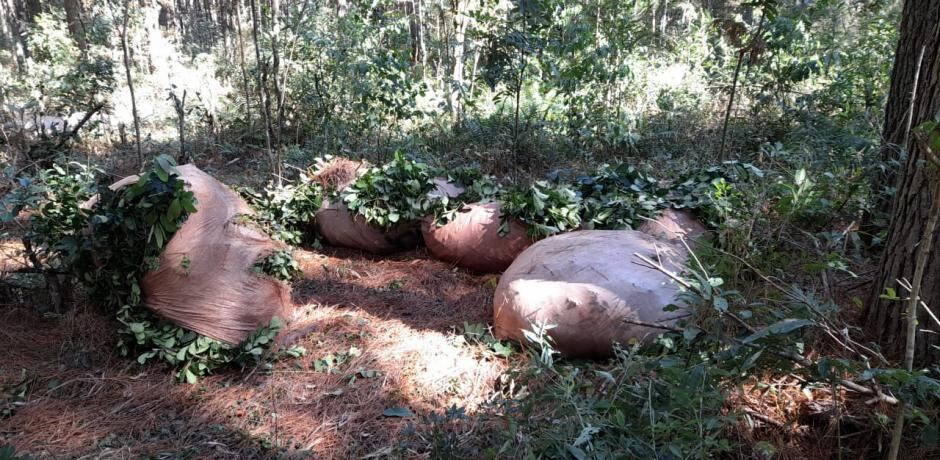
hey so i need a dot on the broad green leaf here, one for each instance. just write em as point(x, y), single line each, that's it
point(781, 327)
point(191, 378)
point(402, 412)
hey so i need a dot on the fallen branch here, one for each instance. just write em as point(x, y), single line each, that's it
point(78, 126)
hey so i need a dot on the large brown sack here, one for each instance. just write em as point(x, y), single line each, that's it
point(217, 294)
point(342, 227)
point(472, 240)
point(586, 283)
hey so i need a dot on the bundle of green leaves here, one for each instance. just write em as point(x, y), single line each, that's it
point(476, 185)
point(711, 192)
point(477, 188)
point(110, 245)
point(287, 212)
point(397, 192)
point(279, 265)
point(545, 208)
point(618, 197)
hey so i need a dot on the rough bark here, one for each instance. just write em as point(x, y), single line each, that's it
point(73, 19)
point(920, 31)
point(894, 130)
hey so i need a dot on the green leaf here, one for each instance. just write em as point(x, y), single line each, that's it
point(160, 235)
point(162, 174)
point(401, 412)
point(721, 304)
point(781, 327)
point(501, 349)
point(890, 294)
point(800, 177)
point(191, 378)
point(174, 210)
point(576, 452)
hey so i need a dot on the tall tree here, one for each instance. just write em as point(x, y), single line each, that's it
point(73, 19)
point(262, 76)
point(130, 82)
point(461, 21)
point(917, 65)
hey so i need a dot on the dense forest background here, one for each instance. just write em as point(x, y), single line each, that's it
point(802, 133)
point(524, 86)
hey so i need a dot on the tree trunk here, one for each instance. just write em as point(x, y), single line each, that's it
point(460, 34)
point(262, 81)
point(241, 60)
point(73, 18)
point(920, 35)
point(902, 85)
point(130, 83)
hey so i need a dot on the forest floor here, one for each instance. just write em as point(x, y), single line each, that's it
point(384, 337)
point(393, 327)
point(381, 333)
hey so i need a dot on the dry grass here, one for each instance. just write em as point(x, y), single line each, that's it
point(339, 173)
point(401, 313)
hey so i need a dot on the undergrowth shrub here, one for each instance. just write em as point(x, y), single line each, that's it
point(637, 406)
point(56, 219)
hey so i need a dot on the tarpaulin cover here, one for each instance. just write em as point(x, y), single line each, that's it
point(471, 239)
point(674, 224)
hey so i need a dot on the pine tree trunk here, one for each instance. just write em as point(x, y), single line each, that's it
point(262, 76)
point(897, 111)
point(241, 61)
point(73, 19)
point(920, 34)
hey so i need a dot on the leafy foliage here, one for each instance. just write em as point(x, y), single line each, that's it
point(618, 197)
point(287, 212)
point(477, 188)
point(56, 218)
point(397, 192)
point(280, 265)
point(546, 209)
